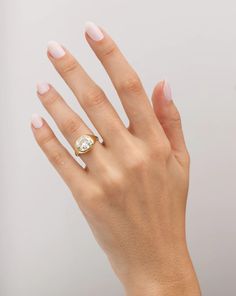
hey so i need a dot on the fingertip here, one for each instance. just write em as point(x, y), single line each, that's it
point(158, 89)
point(36, 121)
point(93, 31)
point(42, 87)
point(167, 91)
point(162, 93)
point(55, 49)
point(157, 94)
point(88, 25)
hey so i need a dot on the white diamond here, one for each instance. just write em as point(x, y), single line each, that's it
point(84, 143)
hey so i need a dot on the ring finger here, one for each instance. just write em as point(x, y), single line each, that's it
point(69, 123)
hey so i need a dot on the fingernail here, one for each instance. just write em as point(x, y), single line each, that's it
point(93, 31)
point(167, 91)
point(42, 87)
point(36, 121)
point(55, 49)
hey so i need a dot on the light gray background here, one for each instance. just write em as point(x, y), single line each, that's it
point(46, 246)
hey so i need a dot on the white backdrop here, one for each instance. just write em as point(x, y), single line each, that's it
point(46, 247)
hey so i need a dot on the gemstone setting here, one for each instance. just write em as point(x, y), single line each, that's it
point(84, 144)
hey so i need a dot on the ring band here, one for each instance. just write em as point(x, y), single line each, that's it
point(84, 144)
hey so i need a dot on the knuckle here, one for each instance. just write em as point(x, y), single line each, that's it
point(187, 158)
point(113, 183)
point(173, 121)
point(45, 139)
point(162, 150)
point(50, 99)
point(57, 159)
point(71, 126)
point(130, 84)
point(175, 118)
point(94, 98)
point(138, 162)
point(158, 150)
point(67, 66)
point(108, 50)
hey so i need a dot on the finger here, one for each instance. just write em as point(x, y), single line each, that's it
point(69, 123)
point(124, 79)
point(169, 118)
point(72, 173)
point(91, 97)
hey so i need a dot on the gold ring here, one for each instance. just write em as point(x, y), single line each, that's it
point(84, 144)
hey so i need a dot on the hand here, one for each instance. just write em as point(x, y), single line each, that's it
point(134, 186)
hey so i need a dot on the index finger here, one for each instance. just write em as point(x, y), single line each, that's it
point(124, 78)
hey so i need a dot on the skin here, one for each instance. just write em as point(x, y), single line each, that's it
point(133, 190)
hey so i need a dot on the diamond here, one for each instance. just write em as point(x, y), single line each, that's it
point(84, 143)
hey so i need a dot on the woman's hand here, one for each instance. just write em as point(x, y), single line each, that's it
point(134, 187)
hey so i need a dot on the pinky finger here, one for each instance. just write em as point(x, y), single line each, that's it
point(71, 172)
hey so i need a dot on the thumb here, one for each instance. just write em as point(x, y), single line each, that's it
point(169, 117)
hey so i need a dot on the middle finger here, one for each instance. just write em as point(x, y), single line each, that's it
point(90, 96)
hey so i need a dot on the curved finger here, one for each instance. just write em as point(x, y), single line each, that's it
point(72, 173)
point(69, 122)
point(169, 117)
point(90, 96)
point(124, 79)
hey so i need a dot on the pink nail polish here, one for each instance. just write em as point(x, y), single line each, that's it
point(55, 49)
point(42, 87)
point(167, 91)
point(36, 121)
point(93, 31)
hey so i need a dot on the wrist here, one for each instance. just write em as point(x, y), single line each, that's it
point(179, 279)
point(185, 287)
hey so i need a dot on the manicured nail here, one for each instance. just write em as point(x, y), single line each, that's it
point(55, 49)
point(42, 87)
point(167, 91)
point(93, 31)
point(36, 121)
